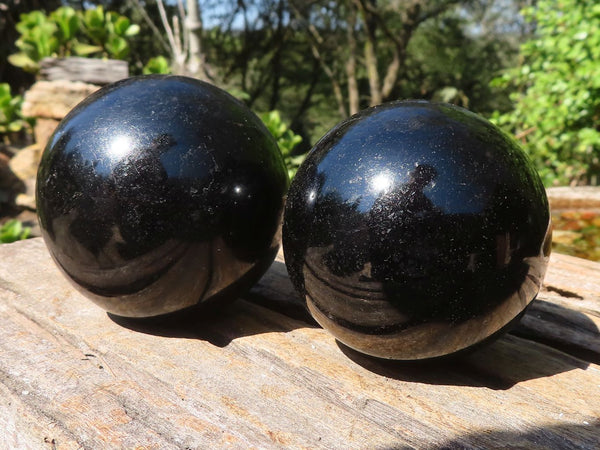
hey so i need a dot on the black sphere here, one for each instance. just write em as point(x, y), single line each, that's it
point(158, 193)
point(416, 230)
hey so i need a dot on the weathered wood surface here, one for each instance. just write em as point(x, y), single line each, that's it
point(261, 374)
point(579, 197)
point(88, 70)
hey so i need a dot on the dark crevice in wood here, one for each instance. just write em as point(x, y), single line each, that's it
point(293, 310)
point(563, 292)
point(573, 350)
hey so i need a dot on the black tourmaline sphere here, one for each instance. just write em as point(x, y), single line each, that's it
point(415, 230)
point(158, 193)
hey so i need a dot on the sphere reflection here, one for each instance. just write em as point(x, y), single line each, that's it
point(158, 193)
point(424, 231)
point(381, 183)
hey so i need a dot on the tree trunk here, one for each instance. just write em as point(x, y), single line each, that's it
point(316, 40)
point(276, 60)
point(353, 96)
point(410, 22)
point(193, 26)
point(306, 101)
point(370, 50)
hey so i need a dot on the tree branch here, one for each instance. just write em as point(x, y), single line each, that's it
point(167, 27)
point(316, 40)
point(153, 27)
point(370, 48)
point(353, 96)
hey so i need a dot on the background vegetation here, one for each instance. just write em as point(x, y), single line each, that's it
point(555, 91)
point(533, 66)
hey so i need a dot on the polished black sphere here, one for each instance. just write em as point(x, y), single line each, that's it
point(416, 230)
point(159, 193)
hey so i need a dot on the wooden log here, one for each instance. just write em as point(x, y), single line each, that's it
point(569, 198)
point(87, 70)
point(260, 374)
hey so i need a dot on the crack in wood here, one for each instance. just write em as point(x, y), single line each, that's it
point(563, 292)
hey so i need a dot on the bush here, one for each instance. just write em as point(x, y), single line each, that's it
point(12, 231)
point(66, 32)
point(287, 140)
point(11, 120)
point(556, 95)
point(157, 65)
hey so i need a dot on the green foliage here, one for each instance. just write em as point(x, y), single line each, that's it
point(67, 22)
point(66, 32)
point(158, 64)
point(10, 111)
point(12, 231)
point(109, 31)
point(460, 70)
point(287, 140)
point(241, 95)
point(36, 42)
point(556, 112)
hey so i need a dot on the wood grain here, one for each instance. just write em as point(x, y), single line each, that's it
point(260, 374)
point(88, 70)
point(570, 198)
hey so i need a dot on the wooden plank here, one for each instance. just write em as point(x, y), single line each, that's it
point(88, 70)
point(259, 373)
point(578, 197)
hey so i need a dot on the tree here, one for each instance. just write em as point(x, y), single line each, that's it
point(556, 95)
point(319, 61)
point(182, 37)
point(454, 56)
point(358, 40)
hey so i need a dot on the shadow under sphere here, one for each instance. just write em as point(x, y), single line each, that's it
point(157, 193)
point(415, 230)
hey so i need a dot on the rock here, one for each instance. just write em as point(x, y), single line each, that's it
point(43, 129)
point(24, 167)
point(26, 200)
point(50, 101)
point(54, 99)
point(29, 220)
point(10, 184)
point(25, 163)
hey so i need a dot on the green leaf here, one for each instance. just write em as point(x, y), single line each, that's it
point(68, 22)
point(24, 62)
point(286, 139)
point(132, 30)
point(121, 24)
point(15, 125)
point(85, 49)
point(25, 233)
point(94, 18)
point(13, 231)
point(157, 65)
point(117, 47)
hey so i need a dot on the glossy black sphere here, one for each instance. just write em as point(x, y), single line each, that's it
point(157, 193)
point(416, 230)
